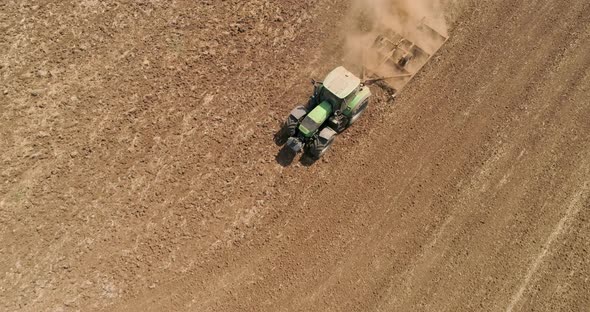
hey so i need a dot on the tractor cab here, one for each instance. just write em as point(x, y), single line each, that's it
point(339, 88)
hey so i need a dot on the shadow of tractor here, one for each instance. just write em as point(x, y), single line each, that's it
point(285, 157)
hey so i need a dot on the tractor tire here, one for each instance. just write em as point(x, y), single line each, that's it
point(289, 128)
point(358, 111)
point(322, 143)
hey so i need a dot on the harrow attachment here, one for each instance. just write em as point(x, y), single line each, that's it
point(394, 59)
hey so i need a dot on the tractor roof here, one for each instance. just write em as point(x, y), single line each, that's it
point(341, 82)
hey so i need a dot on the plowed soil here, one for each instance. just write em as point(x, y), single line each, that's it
point(138, 170)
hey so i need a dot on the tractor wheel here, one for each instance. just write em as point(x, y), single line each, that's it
point(288, 130)
point(358, 111)
point(322, 143)
point(290, 126)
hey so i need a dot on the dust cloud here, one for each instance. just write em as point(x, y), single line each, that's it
point(370, 18)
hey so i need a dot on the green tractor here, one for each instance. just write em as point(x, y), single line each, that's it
point(336, 104)
point(391, 62)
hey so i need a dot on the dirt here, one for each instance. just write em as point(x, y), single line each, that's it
point(138, 170)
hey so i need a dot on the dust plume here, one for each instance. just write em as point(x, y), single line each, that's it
point(370, 18)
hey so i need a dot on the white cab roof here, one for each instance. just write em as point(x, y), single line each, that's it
point(341, 82)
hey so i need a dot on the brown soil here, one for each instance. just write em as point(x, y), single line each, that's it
point(138, 170)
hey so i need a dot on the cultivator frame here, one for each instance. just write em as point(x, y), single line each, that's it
point(394, 59)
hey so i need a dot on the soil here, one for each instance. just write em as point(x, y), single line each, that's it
point(138, 170)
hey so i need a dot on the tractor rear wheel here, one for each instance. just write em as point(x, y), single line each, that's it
point(358, 111)
point(322, 143)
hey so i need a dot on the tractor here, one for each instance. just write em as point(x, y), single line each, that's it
point(335, 105)
point(338, 102)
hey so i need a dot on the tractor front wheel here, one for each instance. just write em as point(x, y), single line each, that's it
point(322, 143)
point(288, 130)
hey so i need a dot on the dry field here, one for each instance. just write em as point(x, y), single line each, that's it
point(138, 170)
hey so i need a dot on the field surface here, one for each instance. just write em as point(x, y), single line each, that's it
point(138, 170)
